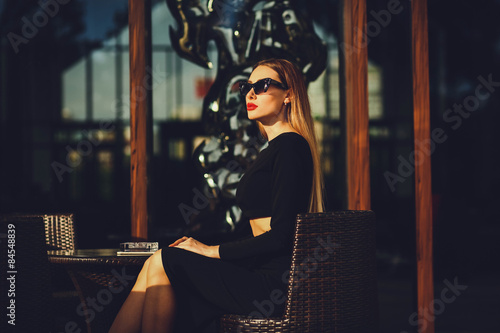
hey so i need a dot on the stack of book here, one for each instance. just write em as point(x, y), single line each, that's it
point(137, 248)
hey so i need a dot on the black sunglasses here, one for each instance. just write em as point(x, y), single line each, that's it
point(259, 86)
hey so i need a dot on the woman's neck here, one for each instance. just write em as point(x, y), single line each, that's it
point(277, 129)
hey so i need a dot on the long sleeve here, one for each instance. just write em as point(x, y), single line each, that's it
point(290, 187)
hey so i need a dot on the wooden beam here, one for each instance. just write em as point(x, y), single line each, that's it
point(423, 191)
point(140, 114)
point(354, 53)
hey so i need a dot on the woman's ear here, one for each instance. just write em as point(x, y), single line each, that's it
point(288, 97)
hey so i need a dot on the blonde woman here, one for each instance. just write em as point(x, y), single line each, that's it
point(186, 286)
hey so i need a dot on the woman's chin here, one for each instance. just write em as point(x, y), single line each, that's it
point(251, 115)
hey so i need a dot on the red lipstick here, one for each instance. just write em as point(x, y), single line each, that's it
point(251, 106)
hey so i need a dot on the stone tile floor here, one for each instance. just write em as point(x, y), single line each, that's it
point(474, 309)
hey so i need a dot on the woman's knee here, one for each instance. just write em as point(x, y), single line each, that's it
point(155, 265)
point(155, 261)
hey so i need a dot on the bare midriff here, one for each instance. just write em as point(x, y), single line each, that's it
point(260, 225)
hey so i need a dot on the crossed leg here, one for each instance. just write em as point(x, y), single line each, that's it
point(150, 306)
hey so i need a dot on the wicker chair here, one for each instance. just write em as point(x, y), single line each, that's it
point(332, 285)
point(60, 232)
point(29, 268)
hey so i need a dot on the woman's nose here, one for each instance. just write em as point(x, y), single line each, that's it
point(251, 94)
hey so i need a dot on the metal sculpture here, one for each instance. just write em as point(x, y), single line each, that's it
point(245, 32)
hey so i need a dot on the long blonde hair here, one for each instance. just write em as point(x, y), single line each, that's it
point(298, 115)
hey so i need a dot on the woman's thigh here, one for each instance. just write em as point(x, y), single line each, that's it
point(230, 287)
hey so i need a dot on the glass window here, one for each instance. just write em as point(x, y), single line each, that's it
point(73, 80)
point(103, 84)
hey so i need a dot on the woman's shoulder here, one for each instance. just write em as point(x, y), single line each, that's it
point(290, 146)
point(287, 138)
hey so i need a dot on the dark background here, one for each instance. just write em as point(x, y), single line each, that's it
point(464, 45)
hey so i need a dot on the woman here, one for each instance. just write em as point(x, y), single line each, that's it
point(194, 283)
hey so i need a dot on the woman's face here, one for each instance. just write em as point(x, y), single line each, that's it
point(266, 107)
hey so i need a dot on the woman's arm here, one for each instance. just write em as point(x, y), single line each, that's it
point(290, 186)
point(290, 193)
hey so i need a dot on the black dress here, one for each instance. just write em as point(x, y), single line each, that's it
point(252, 274)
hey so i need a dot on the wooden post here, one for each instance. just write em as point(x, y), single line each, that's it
point(354, 52)
point(423, 192)
point(140, 114)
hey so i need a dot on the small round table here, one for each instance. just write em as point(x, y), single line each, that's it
point(102, 279)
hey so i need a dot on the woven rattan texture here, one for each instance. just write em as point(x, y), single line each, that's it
point(60, 231)
point(332, 285)
point(25, 277)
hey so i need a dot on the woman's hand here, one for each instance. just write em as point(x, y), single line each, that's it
point(191, 244)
